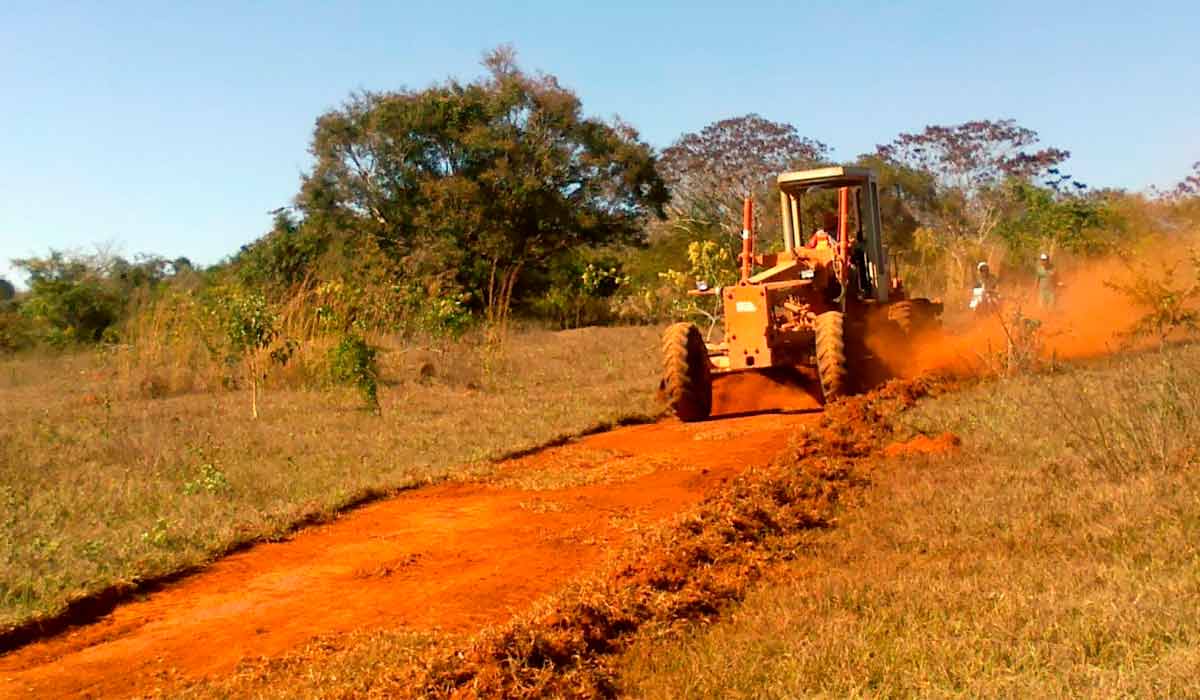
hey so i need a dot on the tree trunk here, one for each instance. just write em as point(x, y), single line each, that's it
point(501, 283)
point(254, 375)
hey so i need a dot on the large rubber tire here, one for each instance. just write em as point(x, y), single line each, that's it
point(903, 315)
point(687, 375)
point(831, 355)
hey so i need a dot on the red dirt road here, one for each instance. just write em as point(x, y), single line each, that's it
point(452, 557)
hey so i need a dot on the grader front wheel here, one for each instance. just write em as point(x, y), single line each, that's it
point(687, 377)
point(831, 355)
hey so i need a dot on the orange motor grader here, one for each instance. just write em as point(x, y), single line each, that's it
point(803, 303)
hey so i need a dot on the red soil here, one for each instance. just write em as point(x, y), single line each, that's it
point(454, 557)
point(923, 445)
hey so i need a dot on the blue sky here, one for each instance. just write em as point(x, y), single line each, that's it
point(174, 128)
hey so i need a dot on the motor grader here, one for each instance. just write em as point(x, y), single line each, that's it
point(800, 306)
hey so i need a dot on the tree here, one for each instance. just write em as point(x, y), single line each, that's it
point(1190, 185)
point(904, 193)
point(283, 257)
point(712, 171)
point(75, 298)
point(493, 176)
point(1170, 303)
point(1045, 218)
point(972, 166)
point(970, 163)
point(252, 329)
point(7, 290)
point(70, 297)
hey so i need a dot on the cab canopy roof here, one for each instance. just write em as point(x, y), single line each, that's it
point(837, 176)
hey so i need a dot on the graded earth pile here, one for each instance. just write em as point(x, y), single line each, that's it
point(685, 572)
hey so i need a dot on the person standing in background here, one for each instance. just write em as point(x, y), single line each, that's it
point(1047, 283)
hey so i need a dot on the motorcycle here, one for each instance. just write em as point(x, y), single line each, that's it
point(984, 301)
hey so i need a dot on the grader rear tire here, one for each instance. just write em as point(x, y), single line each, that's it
point(831, 356)
point(687, 376)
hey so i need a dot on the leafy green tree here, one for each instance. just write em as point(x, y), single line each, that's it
point(580, 290)
point(710, 265)
point(70, 297)
point(253, 333)
point(1044, 219)
point(904, 193)
point(7, 290)
point(283, 257)
point(494, 176)
point(76, 298)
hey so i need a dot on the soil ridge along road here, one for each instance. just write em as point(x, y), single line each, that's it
point(453, 557)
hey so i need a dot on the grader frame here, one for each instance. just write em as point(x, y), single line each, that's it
point(796, 309)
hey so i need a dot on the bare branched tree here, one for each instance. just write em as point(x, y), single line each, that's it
point(712, 171)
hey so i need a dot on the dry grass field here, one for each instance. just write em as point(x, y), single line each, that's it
point(101, 487)
point(1054, 555)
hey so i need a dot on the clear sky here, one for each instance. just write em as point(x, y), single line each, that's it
point(174, 128)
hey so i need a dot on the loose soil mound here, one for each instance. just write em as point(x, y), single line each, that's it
point(454, 557)
point(674, 575)
point(783, 391)
point(923, 445)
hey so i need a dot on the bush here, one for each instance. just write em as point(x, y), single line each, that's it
point(253, 335)
point(352, 362)
point(1170, 305)
point(16, 332)
point(69, 300)
point(581, 292)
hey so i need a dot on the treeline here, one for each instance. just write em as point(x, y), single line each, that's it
point(431, 211)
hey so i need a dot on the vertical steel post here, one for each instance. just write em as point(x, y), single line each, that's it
point(785, 215)
point(747, 237)
point(842, 233)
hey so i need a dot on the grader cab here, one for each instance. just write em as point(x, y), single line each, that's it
point(798, 307)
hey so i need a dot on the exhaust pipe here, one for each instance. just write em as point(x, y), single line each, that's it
point(747, 237)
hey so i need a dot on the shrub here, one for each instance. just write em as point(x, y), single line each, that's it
point(1170, 304)
point(16, 332)
point(581, 293)
point(352, 362)
point(252, 331)
point(69, 300)
point(710, 265)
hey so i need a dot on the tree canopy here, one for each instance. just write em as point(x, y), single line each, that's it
point(975, 154)
point(711, 171)
point(485, 178)
point(1190, 185)
point(970, 164)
